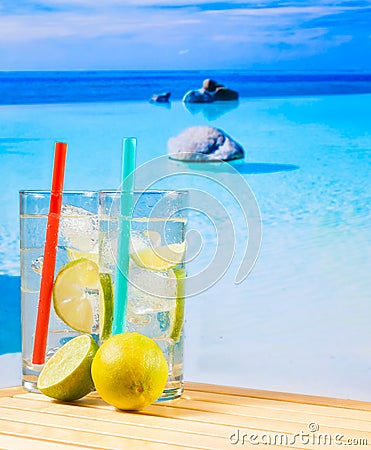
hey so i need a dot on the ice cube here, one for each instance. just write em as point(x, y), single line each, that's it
point(149, 325)
point(151, 294)
point(140, 320)
point(154, 237)
point(31, 268)
point(37, 264)
point(139, 240)
point(164, 319)
point(148, 283)
point(79, 228)
point(108, 250)
point(108, 247)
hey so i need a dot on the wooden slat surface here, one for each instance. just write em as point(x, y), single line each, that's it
point(204, 418)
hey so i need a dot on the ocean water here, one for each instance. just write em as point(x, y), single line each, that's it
point(107, 86)
point(300, 321)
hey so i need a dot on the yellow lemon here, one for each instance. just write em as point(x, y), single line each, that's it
point(160, 259)
point(129, 371)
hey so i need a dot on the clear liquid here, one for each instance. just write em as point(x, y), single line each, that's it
point(152, 296)
point(152, 301)
point(32, 250)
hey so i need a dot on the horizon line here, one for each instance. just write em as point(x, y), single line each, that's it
point(324, 71)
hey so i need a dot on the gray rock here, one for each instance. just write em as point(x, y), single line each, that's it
point(198, 96)
point(218, 91)
point(224, 94)
point(203, 143)
point(161, 98)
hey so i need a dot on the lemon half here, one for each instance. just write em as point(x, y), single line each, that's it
point(160, 259)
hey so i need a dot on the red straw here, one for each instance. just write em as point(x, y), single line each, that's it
point(50, 252)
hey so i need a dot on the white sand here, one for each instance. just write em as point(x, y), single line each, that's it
point(10, 369)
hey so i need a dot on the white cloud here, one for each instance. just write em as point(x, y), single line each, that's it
point(288, 25)
point(60, 24)
point(291, 10)
point(184, 3)
point(304, 41)
point(233, 32)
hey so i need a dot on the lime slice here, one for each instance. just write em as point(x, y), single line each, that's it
point(180, 301)
point(75, 297)
point(106, 306)
point(76, 287)
point(161, 258)
point(74, 254)
point(67, 374)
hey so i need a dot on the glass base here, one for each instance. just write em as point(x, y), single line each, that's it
point(30, 385)
point(171, 394)
point(30, 374)
point(29, 382)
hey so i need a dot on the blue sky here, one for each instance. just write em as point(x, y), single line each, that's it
point(200, 34)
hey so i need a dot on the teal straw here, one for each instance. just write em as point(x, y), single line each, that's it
point(123, 248)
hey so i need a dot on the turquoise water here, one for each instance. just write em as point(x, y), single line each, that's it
point(300, 321)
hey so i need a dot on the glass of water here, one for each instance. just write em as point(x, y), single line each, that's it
point(156, 276)
point(75, 302)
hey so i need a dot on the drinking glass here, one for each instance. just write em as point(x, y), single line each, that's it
point(77, 240)
point(156, 276)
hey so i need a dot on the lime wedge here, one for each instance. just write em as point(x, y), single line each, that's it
point(161, 258)
point(106, 306)
point(67, 374)
point(75, 289)
point(74, 254)
point(180, 301)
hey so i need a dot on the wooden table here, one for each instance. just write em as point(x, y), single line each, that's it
point(206, 417)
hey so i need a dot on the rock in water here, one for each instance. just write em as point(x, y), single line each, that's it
point(211, 91)
point(203, 143)
point(218, 91)
point(225, 94)
point(161, 98)
point(198, 96)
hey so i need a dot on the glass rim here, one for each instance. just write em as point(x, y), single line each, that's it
point(147, 191)
point(46, 191)
point(107, 191)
